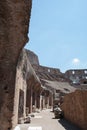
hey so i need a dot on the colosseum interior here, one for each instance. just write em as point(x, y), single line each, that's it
point(25, 85)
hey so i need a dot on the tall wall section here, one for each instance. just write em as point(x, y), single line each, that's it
point(44, 72)
point(33, 58)
point(75, 108)
point(25, 75)
point(76, 75)
point(14, 23)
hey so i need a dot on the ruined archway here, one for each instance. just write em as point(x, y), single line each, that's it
point(14, 21)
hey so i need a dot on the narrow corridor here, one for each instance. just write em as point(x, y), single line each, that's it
point(45, 121)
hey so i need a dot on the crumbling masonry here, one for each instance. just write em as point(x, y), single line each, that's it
point(14, 23)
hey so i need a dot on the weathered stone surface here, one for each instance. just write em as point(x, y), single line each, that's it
point(14, 21)
point(51, 78)
point(45, 72)
point(25, 78)
point(77, 76)
point(33, 58)
point(75, 108)
point(48, 73)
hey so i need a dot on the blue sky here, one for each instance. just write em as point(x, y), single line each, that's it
point(58, 33)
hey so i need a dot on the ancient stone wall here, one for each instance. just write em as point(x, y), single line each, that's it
point(33, 58)
point(75, 108)
point(25, 79)
point(76, 72)
point(14, 22)
point(76, 75)
point(20, 89)
point(52, 74)
point(43, 71)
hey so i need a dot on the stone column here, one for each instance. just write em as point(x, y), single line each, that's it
point(25, 86)
point(47, 102)
point(51, 101)
point(31, 99)
point(41, 107)
point(35, 99)
point(43, 101)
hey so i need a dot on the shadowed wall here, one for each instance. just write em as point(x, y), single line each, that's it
point(14, 23)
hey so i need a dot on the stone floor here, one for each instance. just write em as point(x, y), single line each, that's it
point(45, 121)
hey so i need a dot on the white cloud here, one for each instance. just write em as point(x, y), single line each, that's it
point(75, 61)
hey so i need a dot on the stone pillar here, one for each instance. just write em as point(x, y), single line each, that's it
point(28, 99)
point(35, 99)
point(52, 100)
point(43, 101)
point(48, 102)
point(25, 86)
point(34, 103)
point(31, 99)
point(41, 104)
